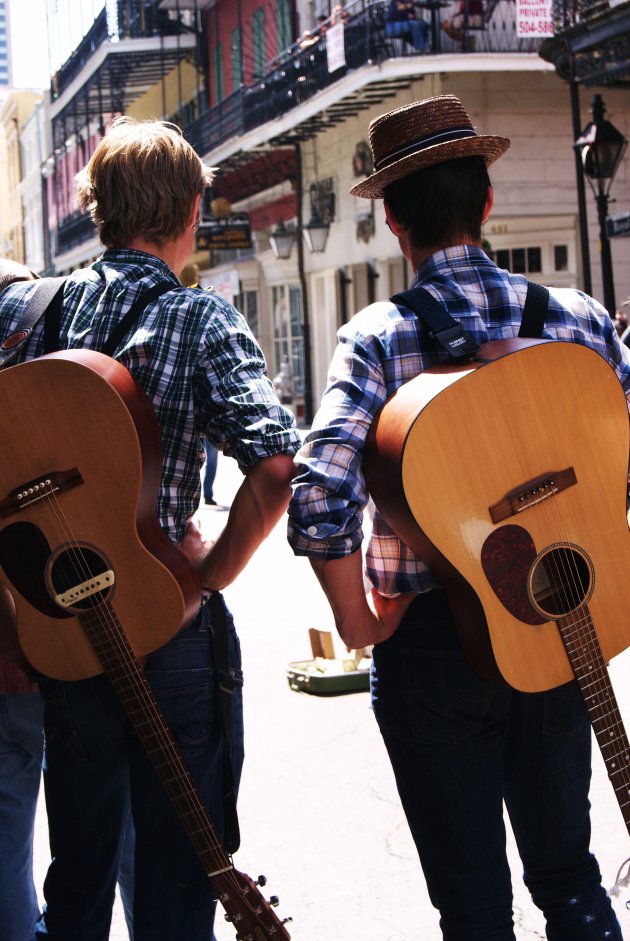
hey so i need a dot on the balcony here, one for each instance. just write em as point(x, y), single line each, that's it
point(300, 73)
point(130, 47)
point(591, 42)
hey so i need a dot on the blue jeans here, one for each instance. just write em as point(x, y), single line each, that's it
point(460, 746)
point(96, 769)
point(21, 748)
point(418, 30)
point(210, 469)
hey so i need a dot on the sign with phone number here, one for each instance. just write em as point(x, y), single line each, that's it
point(533, 18)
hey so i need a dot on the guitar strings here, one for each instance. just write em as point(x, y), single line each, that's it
point(578, 629)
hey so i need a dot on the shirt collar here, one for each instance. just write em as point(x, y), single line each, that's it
point(450, 259)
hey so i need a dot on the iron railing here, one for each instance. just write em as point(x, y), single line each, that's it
point(299, 73)
point(133, 19)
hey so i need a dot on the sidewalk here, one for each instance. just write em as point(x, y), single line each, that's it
point(320, 816)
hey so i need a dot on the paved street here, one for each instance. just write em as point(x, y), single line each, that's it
point(319, 811)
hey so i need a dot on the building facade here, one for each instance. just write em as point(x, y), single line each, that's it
point(278, 94)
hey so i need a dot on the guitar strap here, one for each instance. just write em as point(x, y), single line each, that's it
point(49, 293)
point(226, 684)
point(450, 334)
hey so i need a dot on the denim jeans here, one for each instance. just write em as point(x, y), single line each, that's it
point(418, 30)
point(460, 747)
point(95, 769)
point(21, 748)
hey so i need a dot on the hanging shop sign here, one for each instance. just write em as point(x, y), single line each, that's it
point(225, 233)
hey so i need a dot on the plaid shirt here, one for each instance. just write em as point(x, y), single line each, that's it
point(378, 351)
point(194, 356)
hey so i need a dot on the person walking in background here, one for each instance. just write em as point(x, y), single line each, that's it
point(209, 472)
point(459, 744)
point(204, 373)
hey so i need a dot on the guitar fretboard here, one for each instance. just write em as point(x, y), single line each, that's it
point(582, 646)
point(112, 647)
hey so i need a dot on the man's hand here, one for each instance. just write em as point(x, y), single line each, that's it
point(361, 621)
point(195, 545)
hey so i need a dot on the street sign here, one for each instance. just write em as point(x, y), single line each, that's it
point(225, 233)
point(618, 225)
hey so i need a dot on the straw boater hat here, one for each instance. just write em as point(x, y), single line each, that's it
point(419, 135)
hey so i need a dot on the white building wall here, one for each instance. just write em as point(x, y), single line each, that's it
point(35, 148)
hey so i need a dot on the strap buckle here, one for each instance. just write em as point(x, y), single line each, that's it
point(456, 342)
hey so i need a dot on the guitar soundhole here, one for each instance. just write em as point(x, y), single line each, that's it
point(561, 580)
point(78, 577)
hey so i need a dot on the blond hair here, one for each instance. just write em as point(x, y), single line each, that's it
point(142, 180)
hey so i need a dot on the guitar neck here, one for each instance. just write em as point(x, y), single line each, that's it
point(112, 647)
point(582, 646)
point(245, 906)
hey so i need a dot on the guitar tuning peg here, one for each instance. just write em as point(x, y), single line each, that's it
point(261, 881)
point(285, 920)
point(274, 900)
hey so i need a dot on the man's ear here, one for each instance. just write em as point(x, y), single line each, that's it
point(394, 225)
point(487, 209)
point(195, 210)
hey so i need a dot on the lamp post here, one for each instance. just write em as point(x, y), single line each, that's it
point(601, 148)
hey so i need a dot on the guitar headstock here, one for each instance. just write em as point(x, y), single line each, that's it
point(247, 909)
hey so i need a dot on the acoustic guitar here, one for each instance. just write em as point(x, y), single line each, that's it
point(82, 554)
point(508, 477)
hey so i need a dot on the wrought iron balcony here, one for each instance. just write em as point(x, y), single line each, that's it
point(132, 19)
point(591, 42)
point(75, 229)
point(302, 71)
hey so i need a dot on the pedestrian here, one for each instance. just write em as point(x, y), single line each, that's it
point(209, 472)
point(401, 22)
point(204, 373)
point(459, 744)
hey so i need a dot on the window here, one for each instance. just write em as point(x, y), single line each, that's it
point(283, 24)
point(219, 91)
point(287, 333)
point(237, 60)
point(260, 50)
point(561, 257)
point(519, 260)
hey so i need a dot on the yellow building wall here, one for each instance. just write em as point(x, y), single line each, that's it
point(15, 111)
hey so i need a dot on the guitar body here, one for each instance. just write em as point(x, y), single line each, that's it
point(80, 467)
point(507, 475)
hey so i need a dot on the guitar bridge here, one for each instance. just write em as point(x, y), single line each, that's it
point(531, 493)
point(38, 489)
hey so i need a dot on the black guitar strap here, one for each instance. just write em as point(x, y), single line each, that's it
point(450, 334)
point(226, 684)
point(49, 293)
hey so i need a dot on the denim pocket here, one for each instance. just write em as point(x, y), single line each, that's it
point(446, 700)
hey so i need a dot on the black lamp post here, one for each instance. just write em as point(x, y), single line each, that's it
point(601, 148)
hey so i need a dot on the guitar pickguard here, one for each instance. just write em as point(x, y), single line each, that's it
point(507, 556)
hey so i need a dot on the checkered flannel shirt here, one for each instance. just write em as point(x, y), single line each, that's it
point(194, 356)
point(380, 349)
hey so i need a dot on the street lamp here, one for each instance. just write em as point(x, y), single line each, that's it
point(601, 148)
point(281, 241)
point(315, 235)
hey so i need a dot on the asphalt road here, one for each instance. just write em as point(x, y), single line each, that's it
point(318, 807)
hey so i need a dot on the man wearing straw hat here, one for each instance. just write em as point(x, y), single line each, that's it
point(459, 744)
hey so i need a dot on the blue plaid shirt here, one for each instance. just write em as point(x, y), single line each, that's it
point(192, 353)
point(379, 350)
